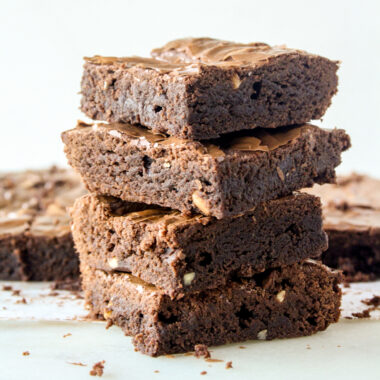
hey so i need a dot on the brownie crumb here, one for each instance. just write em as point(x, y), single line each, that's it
point(242, 347)
point(362, 314)
point(374, 301)
point(7, 288)
point(202, 350)
point(229, 365)
point(66, 335)
point(26, 353)
point(156, 371)
point(53, 294)
point(67, 284)
point(16, 292)
point(78, 363)
point(97, 369)
point(22, 300)
point(210, 360)
point(109, 324)
point(170, 356)
point(204, 373)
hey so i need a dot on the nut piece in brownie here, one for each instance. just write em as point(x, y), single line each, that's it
point(351, 211)
point(289, 301)
point(181, 254)
point(200, 88)
point(221, 178)
point(35, 237)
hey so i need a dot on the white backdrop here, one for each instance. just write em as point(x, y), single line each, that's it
point(43, 42)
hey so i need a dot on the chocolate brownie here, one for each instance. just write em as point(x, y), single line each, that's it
point(35, 237)
point(221, 178)
point(289, 301)
point(351, 211)
point(182, 254)
point(201, 88)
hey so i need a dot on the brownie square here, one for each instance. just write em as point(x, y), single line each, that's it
point(201, 88)
point(182, 254)
point(35, 237)
point(290, 301)
point(222, 178)
point(351, 210)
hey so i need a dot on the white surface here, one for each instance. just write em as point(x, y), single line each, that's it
point(347, 350)
point(43, 42)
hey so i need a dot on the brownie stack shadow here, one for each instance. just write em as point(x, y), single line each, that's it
point(193, 231)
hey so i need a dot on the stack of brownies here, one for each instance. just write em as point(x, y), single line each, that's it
point(193, 232)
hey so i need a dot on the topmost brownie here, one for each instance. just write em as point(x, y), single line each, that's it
point(200, 88)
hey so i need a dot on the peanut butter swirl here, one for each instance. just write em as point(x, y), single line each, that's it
point(185, 56)
point(217, 52)
point(256, 140)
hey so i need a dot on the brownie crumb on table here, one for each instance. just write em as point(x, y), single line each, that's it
point(78, 364)
point(97, 369)
point(201, 350)
point(363, 314)
point(229, 365)
point(66, 335)
point(204, 373)
point(26, 353)
point(374, 301)
point(7, 288)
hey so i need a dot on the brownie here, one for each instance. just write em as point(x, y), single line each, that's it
point(351, 211)
point(182, 254)
point(200, 88)
point(220, 178)
point(35, 237)
point(289, 301)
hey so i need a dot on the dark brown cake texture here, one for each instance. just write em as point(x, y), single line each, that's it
point(351, 211)
point(200, 88)
point(290, 301)
point(221, 178)
point(35, 237)
point(182, 254)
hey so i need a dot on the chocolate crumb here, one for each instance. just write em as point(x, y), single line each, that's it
point(242, 347)
point(97, 369)
point(69, 284)
point(78, 363)
point(53, 294)
point(7, 288)
point(26, 353)
point(210, 360)
point(204, 373)
point(66, 335)
point(156, 371)
point(374, 301)
point(229, 365)
point(362, 314)
point(202, 350)
point(22, 300)
point(109, 324)
point(16, 292)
